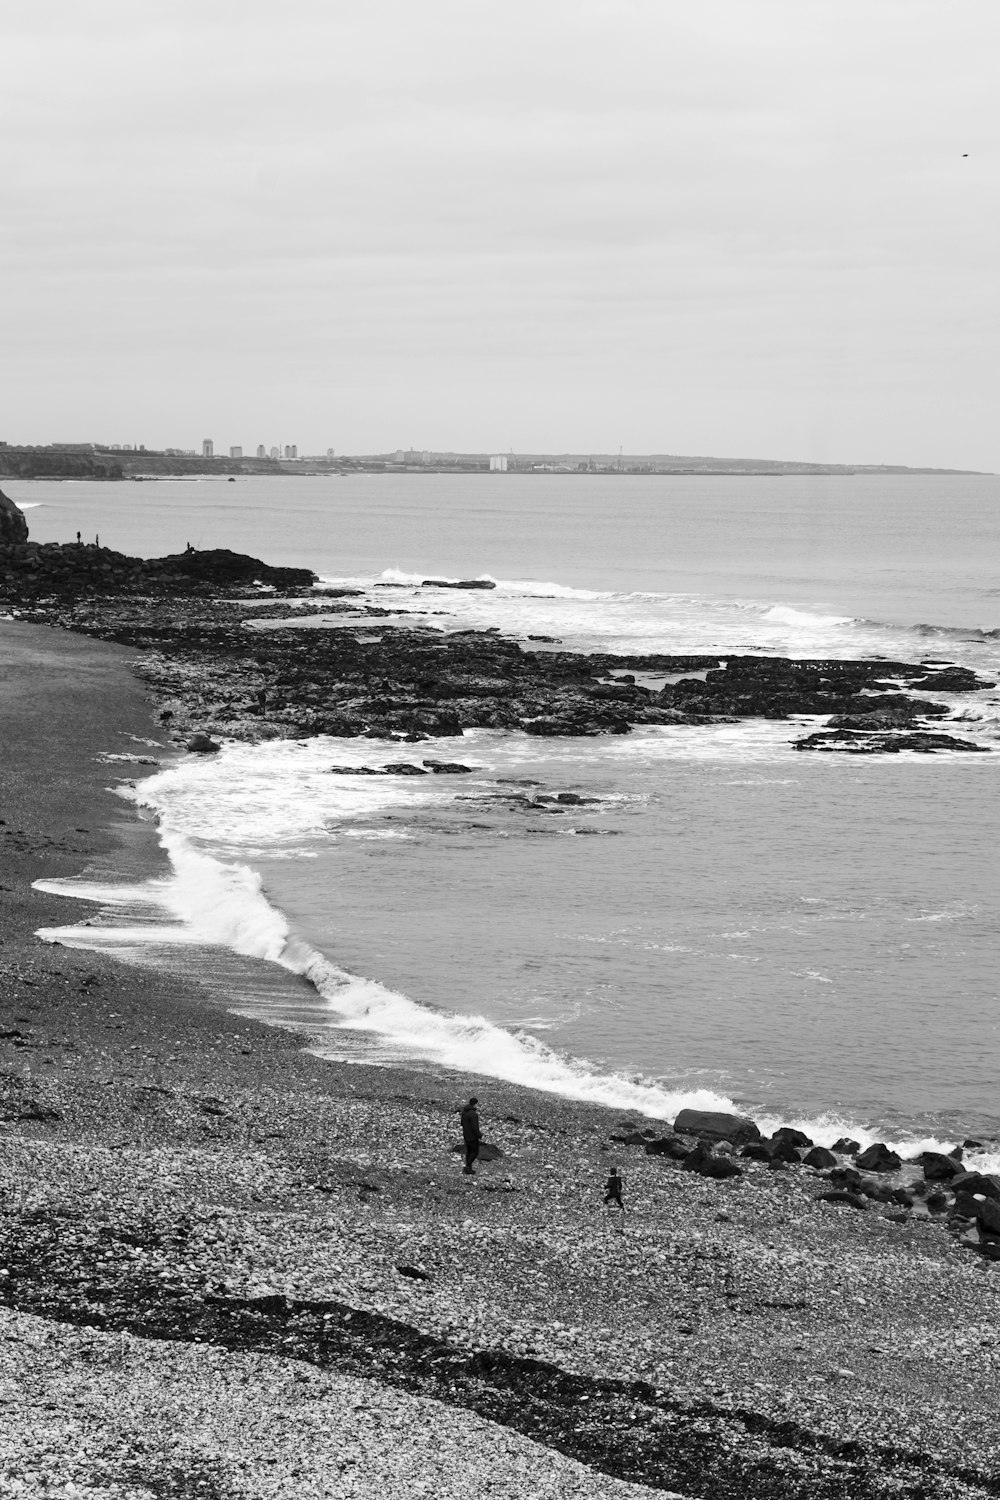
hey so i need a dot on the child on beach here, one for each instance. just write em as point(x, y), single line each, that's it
point(613, 1188)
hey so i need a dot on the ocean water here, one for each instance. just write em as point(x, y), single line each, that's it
point(812, 938)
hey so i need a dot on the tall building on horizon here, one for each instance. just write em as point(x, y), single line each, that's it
point(236, 452)
point(208, 448)
point(261, 451)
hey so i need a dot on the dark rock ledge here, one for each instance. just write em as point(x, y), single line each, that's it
point(212, 674)
point(70, 1269)
point(189, 614)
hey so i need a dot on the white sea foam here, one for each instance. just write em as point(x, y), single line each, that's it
point(283, 794)
point(783, 614)
point(648, 622)
point(636, 622)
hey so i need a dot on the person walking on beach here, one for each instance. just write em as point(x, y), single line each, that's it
point(613, 1189)
point(471, 1134)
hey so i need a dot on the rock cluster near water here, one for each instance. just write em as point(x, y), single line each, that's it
point(935, 1184)
point(222, 667)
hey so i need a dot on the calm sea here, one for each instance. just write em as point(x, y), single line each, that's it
point(814, 938)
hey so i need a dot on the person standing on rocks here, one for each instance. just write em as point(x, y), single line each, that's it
point(472, 1134)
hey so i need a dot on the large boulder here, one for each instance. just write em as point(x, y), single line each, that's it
point(938, 1167)
point(792, 1136)
point(711, 1125)
point(13, 526)
point(879, 1158)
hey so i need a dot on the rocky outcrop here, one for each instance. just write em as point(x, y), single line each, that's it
point(216, 671)
point(13, 526)
point(67, 571)
point(464, 583)
point(853, 742)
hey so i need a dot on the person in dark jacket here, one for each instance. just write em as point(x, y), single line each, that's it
point(613, 1189)
point(471, 1134)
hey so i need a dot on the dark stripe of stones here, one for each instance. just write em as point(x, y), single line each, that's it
point(628, 1429)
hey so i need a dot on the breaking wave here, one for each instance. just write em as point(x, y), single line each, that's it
point(591, 619)
point(205, 902)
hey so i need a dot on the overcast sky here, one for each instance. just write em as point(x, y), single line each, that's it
point(736, 227)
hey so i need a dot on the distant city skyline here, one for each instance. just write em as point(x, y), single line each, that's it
point(731, 228)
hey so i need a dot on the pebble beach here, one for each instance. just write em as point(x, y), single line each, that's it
point(231, 1268)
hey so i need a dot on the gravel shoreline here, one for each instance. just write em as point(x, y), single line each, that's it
point(203, 1227)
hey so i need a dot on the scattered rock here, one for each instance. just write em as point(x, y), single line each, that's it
point(820, 1157)
point(784, 1150)
point(988, 1216)
point(842, 1195)
point(668, 1145)
point(977, 1182)
point(702, 1161)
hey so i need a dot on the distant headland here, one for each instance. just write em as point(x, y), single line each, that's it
point(133, 461)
